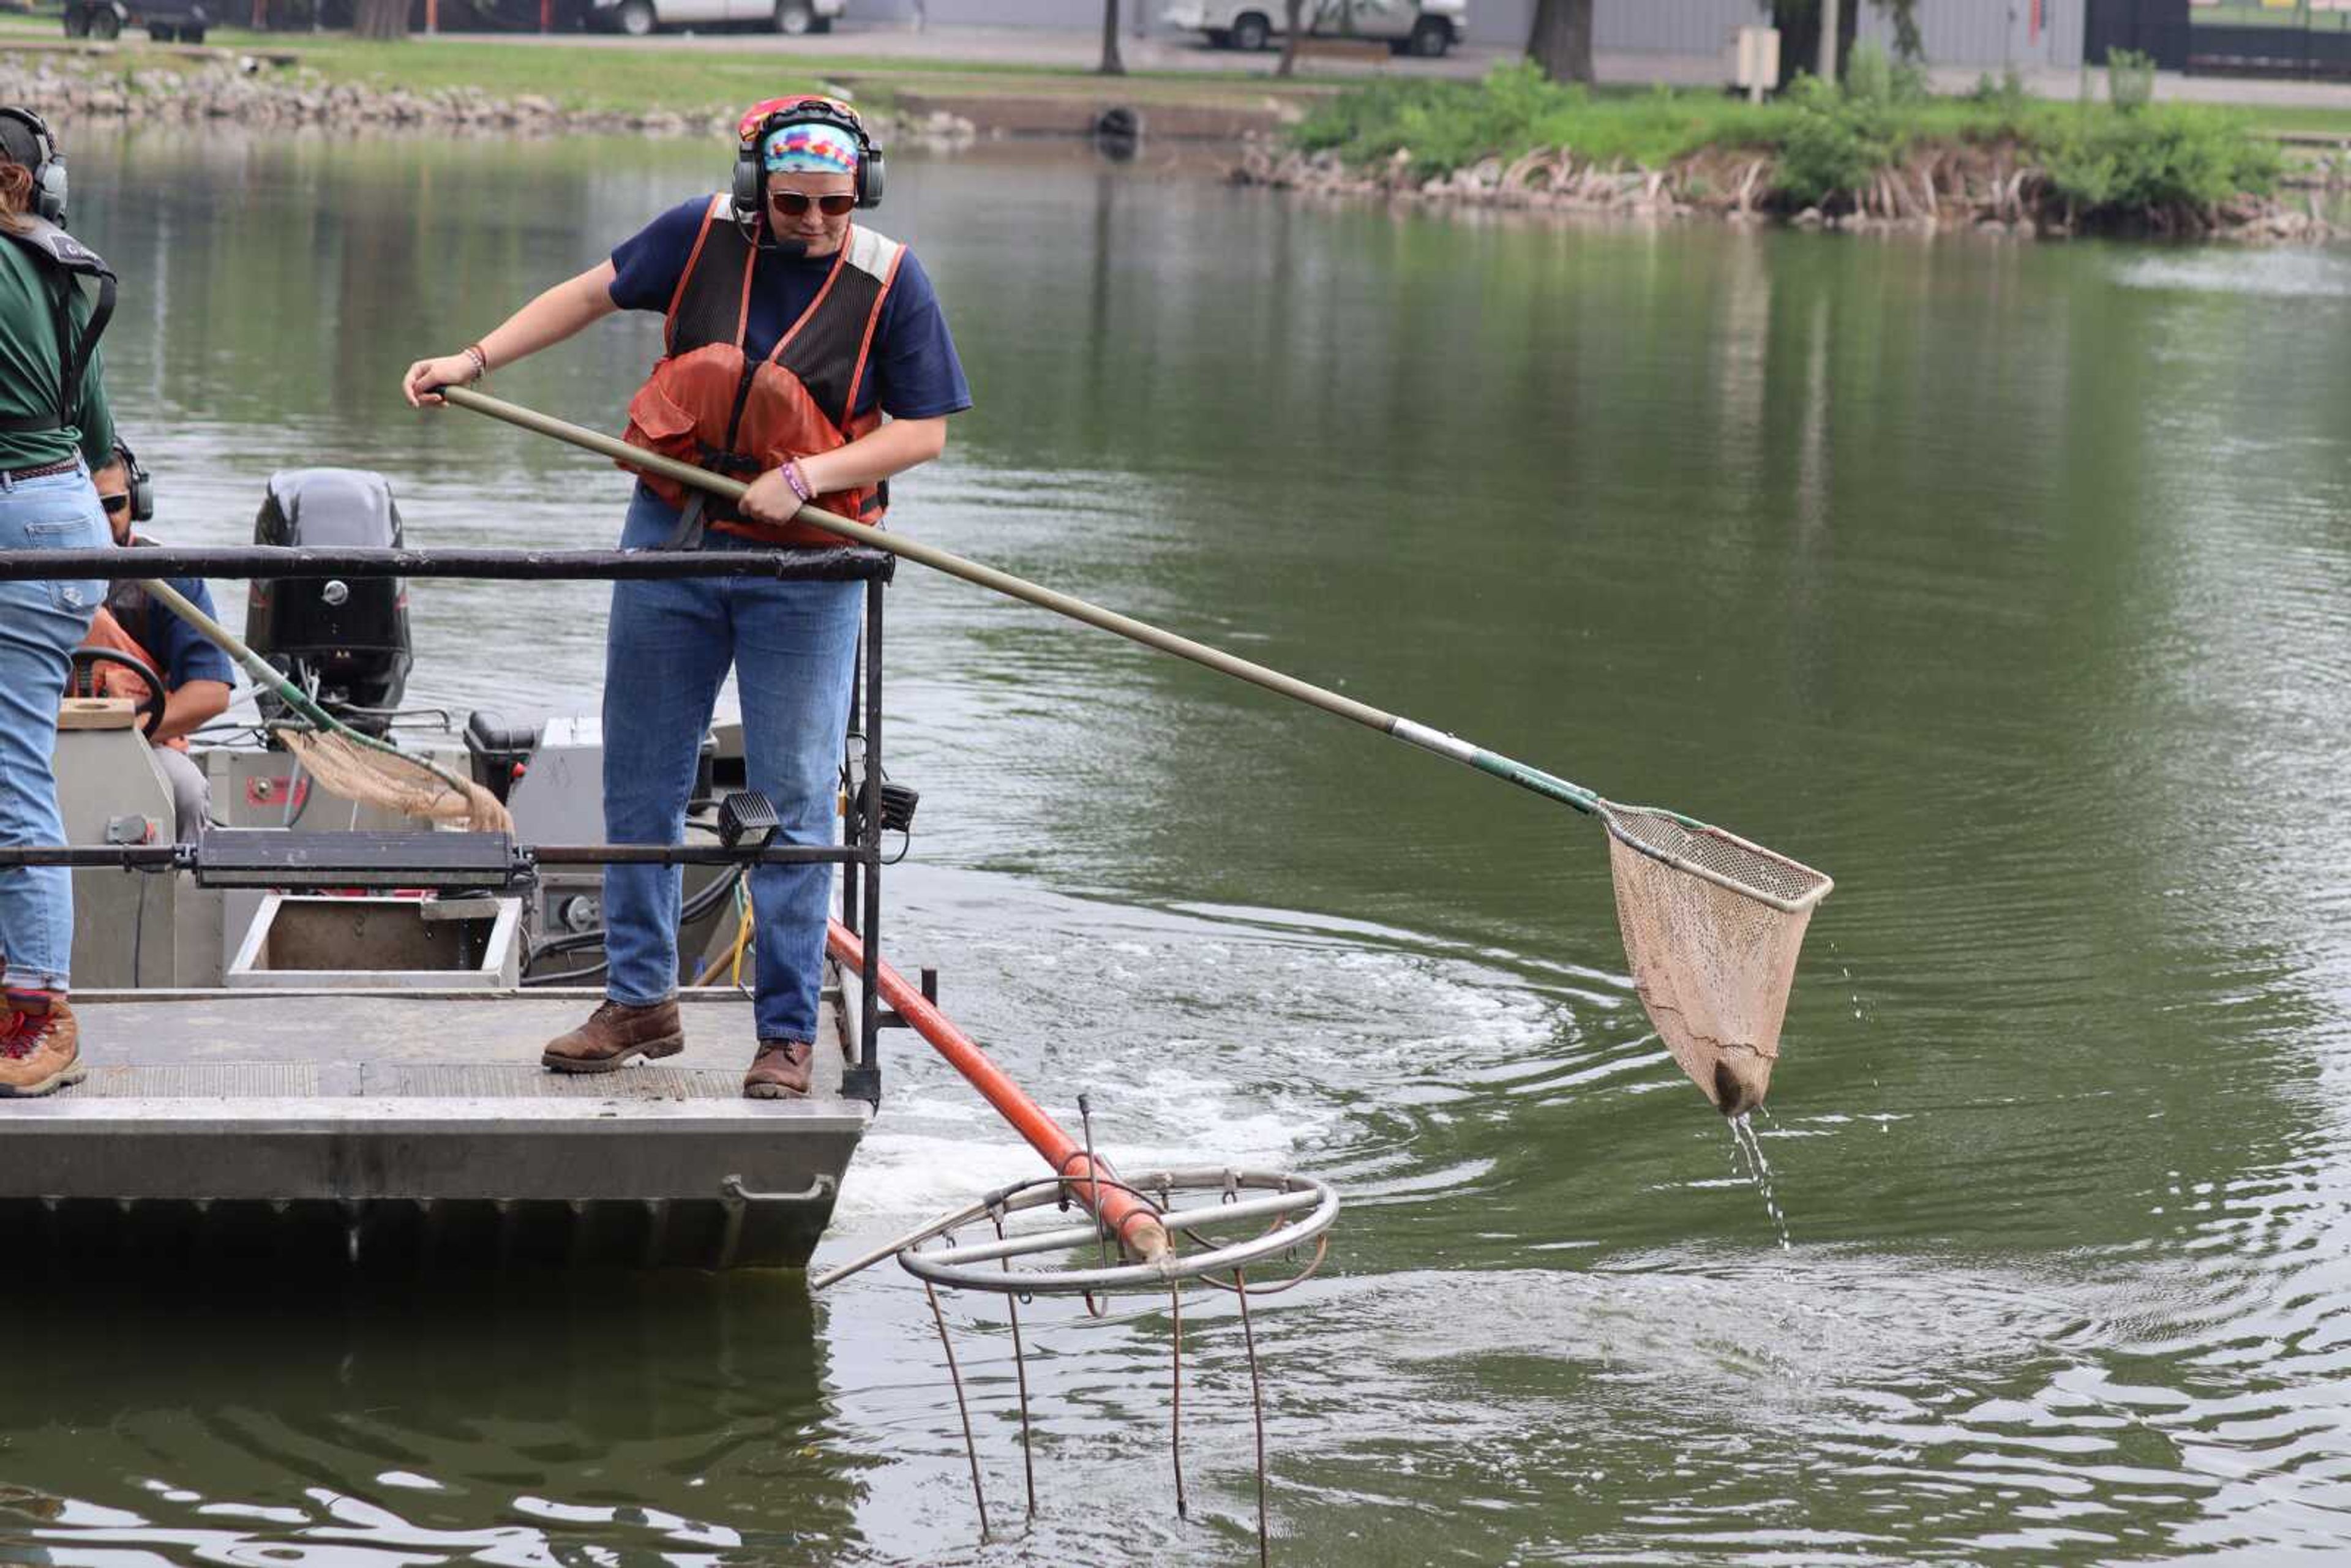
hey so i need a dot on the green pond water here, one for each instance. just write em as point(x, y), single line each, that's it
point(2006, 582)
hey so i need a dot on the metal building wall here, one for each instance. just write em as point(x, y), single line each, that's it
point(1990, 33)
point(1656, 26)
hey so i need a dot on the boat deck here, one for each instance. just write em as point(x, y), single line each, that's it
point(404, 1125)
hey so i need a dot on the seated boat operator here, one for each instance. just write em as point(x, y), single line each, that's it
point(790, 334)
point(197, 676)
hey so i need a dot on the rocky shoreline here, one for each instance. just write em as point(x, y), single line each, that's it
point(244, 90)
point(1953, 189)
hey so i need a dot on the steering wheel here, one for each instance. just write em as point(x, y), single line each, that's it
point(149, 707)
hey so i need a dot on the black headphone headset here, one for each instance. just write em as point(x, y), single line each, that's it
point(750, 190)
point(142, 483)
point(49, 165)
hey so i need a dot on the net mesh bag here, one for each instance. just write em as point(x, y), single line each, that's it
point(397, 783)
point(1712, 925)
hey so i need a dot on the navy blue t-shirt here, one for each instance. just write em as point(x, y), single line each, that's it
point(181, 653)
point(913, 372)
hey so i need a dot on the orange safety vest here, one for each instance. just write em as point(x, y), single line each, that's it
point(707, 403)
point(113, 680)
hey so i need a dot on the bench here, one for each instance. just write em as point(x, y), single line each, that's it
point(1361, 49)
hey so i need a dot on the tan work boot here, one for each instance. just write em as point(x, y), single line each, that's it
point(615, 1033)
point(40, 1047)
point(781, 1070)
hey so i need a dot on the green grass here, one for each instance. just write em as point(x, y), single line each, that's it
point(2333, 121)
point(2257, 16)
point(576, 77)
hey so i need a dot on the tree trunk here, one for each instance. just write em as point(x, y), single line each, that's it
point(1560, 42)
point(1112, 65)
point(379, 19)
point(1293, 23)
point(1799, 22)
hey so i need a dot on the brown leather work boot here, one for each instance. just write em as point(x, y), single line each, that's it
point(614, 1034)
point(40, 1046)
point(781, 1070)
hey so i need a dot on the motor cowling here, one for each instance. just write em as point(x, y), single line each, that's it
point(344, 641)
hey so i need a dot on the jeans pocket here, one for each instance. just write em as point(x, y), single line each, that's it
point(76, 596)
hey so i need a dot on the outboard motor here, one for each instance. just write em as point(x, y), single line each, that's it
point(345, 642)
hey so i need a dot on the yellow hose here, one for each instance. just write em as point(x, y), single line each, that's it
point(744, 923)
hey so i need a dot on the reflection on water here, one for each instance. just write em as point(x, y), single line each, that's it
point(2006, 582)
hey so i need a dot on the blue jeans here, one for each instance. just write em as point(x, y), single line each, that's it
point(793, 646)
point(40, 624)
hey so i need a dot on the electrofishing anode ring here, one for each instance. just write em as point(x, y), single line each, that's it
point(1300, 1209)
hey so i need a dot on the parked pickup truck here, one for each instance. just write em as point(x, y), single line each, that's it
point(1424, 28)
point(166, 21)
point(639, 18)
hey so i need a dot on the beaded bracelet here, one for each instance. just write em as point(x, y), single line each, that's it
point(798, 482)
point(481, 361)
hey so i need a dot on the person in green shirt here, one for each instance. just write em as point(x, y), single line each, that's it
point(55, 427)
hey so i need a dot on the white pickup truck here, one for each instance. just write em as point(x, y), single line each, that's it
point(639, 18)
point(1424, 28)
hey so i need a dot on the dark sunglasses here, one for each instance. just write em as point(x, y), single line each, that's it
point(793, 204)
point(115, 503)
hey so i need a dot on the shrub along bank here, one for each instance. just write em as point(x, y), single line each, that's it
point(1877, 150)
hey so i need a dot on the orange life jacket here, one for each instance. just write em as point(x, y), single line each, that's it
point(113, 680)
point(708, 404)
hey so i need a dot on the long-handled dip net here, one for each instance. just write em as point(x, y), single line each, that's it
point(1711, 923)
point(1711, 927)
point(344, 762)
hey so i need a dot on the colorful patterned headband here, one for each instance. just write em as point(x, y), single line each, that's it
point(810, 149)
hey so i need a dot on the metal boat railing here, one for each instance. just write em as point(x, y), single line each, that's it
point(859, 856)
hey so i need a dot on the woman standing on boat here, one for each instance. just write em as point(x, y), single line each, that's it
point(792, 333)
point(54, 429)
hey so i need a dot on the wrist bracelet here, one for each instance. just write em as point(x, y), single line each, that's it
point(481, 361)
point(798, 482)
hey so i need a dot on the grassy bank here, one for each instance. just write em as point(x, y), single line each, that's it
point(1864, 146)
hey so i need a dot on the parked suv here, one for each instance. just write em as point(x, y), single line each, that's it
point(639, 18)
point(166, 21)
point(1424, 28)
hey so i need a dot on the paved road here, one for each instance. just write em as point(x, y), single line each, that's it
point(1052, 48)
point(1080, 47)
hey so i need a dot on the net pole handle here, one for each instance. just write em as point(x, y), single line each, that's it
point(264, 674)
point(1004, 583)
point(1493, 764)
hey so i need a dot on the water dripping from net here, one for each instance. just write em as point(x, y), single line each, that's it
point(1864, 1013)
point(1748, 1162)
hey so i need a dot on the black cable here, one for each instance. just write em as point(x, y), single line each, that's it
point(565, 977)
point(139, 931)
point(301, 791)
point(693, 909)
